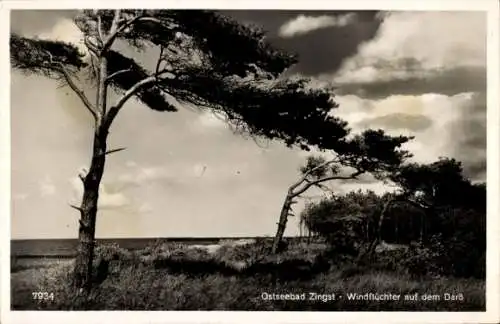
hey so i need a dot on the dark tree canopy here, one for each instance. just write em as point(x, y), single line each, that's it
point(205, 59)
point(214, 62)
point(230, 47)
point(440, 183)
point(372, 151)
point(35, 56)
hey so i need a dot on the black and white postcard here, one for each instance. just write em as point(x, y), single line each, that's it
point(276, 159)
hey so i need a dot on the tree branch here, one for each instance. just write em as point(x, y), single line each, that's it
point(99, 29)
point(115, 32)
point(75, 207)
point(117, 73)
point(160, 59)
point(116, 19)
point(114, 150)
point(130, 92)
point(60, 68)
point(323, 187)
point(93, 64)
point(78, 92)
point(312, 183)
point(92, 47)
point(304, 177)
point(113, 111)
point(295, 185)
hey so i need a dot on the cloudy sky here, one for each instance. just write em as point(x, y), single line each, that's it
point(186, 174)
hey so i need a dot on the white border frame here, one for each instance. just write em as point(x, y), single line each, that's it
point(87, 317)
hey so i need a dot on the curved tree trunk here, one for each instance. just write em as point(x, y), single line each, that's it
point(295, 191)
point(88, 212)
point(285, 211)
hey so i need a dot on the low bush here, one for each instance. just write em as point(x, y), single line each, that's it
point(433, 259)
point(298, 262)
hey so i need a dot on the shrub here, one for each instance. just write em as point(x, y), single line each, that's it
point(463, 241)
point(298, 261)
point(242, 256)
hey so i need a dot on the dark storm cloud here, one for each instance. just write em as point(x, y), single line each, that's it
point(398, 121)
point(476, 171)
point(470, 136)
point(448, 82)
point(321, 50)
point(479, 139)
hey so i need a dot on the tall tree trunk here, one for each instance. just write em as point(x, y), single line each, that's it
point(91, 183)
point(88, 212)
point(285, 211)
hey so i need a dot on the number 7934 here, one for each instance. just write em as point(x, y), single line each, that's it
point(42, 295)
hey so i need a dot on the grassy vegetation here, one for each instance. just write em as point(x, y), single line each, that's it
point(178, 277)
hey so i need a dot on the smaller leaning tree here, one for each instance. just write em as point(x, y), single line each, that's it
point(372, 152)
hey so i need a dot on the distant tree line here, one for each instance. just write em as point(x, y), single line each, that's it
point(435, 208)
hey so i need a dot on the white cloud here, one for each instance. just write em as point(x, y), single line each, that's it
point(429, 144)
point(47, 187)
point(130, 164)
point(184, 173)
point(145, 174)
point(304, 24)
point(108, 198)
point(420, 44)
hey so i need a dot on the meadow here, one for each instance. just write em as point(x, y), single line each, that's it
point(172, 276)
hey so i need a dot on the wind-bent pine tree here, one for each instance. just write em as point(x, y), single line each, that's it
point(204, 59)
point(372, 151)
